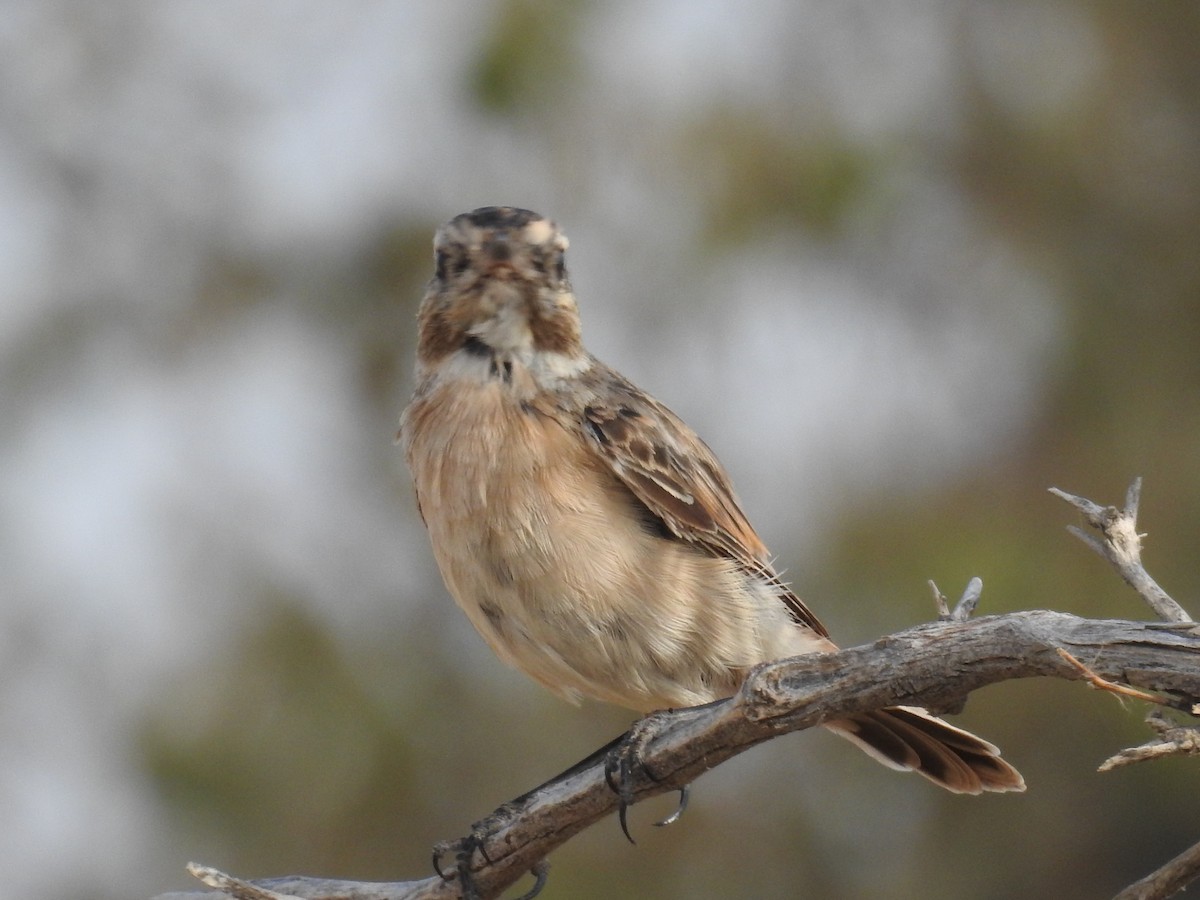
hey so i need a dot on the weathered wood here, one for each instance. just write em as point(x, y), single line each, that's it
point(935, 666)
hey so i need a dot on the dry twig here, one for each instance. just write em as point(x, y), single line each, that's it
point(1122, 546)
point(964, 608)
point(1171, 740)
point(1167, 881)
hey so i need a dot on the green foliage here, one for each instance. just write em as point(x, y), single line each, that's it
point(528, 55)
point(766, 176)
point(280, 740)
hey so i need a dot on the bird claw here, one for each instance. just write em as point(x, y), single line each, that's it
point(622, 759)
point(618, 773)
point(465, 848)
point(540, 871)
point(620, 767)
point(685, 792)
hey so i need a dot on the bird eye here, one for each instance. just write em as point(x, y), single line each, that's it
point(560, 267)
point(449, 264)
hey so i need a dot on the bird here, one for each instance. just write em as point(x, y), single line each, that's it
point(589, 535)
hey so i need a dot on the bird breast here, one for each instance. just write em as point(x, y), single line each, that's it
point(560, 568)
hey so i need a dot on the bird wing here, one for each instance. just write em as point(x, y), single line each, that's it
point(677, 478)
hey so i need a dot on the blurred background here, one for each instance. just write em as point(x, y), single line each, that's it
point(904, 266)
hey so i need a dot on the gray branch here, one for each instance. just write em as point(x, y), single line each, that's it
point(1170, 740)
point(935, 666)
point(1122, 546)
point(1167, 881)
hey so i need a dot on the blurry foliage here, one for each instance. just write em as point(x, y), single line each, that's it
point(285, 755)
point(762, 176)
point(394, 271)
point(373, 296)
point(279, 740)
point(527, 58)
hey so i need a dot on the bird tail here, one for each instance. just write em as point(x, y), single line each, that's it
point(910, 739)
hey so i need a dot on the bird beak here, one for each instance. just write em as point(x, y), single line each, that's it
point(498, 252)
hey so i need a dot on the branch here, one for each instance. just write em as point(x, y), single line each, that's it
point(1122, 546)
point(935, 666)
point(1172, 740)
point(1170, 879)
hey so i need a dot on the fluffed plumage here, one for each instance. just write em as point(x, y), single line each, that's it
point(591, 537)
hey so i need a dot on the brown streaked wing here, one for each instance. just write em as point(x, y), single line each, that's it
point(678, 478)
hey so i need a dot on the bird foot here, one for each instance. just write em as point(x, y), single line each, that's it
point(476, 841)
point(625, 759)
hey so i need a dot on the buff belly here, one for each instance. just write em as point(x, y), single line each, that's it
point(558, 568)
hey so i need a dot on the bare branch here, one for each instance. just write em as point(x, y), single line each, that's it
point(1172, 740)
point(300, 887)
point(1122, 546)
point(234, 887)
point(964, 608)
point(934, 665)
point(1167, 881)
point(940, 602)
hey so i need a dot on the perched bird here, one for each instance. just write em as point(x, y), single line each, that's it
point(589, 535)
